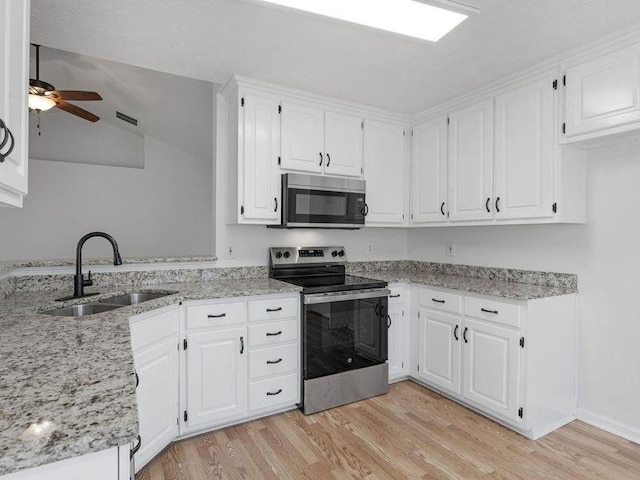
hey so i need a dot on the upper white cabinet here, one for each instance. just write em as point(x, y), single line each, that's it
point(14, 112)
point(524, 151)
point(502, 163)
point(302, 138)
point(385, 171)
point(471, 162)
point(602, 96)
point(343, 144)
point(253, 151)
point(429, 172)
point(321, 142)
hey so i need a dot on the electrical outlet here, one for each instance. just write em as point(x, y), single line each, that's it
point(369, 248)
point(451, 249)
point(230, 252)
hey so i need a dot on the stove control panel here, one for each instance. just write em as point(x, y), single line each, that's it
point(304, 255)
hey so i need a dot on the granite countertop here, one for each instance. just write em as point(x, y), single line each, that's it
point(499, 288)
point(104, 261)
point(66, 384)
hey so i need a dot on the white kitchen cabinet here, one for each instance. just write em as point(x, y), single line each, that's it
point(321, 142)
point(252, 129)
point(429, 173)
point(398, 325)
point(385, 171)
point(492, 367)
point(439, 349)
point(470, 165)
point(524, 151)
point(155, 341)
point(216, 366)
point(302, 138)
point(343, 144)
point(602, 95)
point(513, 361)
point(103, 465)
point(14, 58)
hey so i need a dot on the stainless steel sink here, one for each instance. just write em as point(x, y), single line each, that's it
point(135, 298)
point(82, 310)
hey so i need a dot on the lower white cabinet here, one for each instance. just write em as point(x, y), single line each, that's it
point(511, 360)
point(398, 331)
point(439, 351)
point(491, 367)
point(216, 363)
point(111, 464)
point(154, 337)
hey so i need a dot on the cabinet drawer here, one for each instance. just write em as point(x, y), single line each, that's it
point(219, 314)
point(149, 331)
point(273, 333)
point(273, 309)
point(273, 361)
point(448, 302)
point(274, 392)
point(499, 312)
point(396, 297)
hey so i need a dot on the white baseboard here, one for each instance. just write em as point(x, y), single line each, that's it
point(609, 425)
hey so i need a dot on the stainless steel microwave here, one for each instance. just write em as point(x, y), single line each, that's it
point(312, 201)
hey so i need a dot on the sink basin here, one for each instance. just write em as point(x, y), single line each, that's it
point(135, 298)
point(82, 310)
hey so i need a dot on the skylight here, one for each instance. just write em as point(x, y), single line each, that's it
point(406, 17)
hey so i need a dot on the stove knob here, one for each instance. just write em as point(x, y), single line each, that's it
point(287, 254)
point(334, 253)
point(341, 253)
point(279, 255)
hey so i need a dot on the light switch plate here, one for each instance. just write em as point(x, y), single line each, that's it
point(451, 249)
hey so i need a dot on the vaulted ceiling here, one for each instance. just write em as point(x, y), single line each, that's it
point(213, 39)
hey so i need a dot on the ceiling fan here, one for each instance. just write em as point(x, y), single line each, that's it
point(43, 96)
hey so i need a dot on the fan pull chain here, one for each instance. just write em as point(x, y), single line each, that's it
point(39, 131)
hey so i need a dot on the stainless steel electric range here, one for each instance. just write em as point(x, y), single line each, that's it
point(344, 326)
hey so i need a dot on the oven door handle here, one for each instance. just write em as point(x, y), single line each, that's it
point(314, 298)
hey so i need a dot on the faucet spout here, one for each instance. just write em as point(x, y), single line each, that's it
point(79, 281)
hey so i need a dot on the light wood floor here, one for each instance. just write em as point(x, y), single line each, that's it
point(411, 433)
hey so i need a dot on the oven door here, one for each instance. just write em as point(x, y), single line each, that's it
point(306, 207)
point(344, 331)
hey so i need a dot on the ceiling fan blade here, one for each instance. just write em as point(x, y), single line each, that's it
point(75, 95)
point(79, 112)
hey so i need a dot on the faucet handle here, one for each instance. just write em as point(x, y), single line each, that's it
point(89, 281)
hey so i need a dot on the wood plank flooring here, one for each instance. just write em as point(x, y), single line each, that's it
point(411, 433)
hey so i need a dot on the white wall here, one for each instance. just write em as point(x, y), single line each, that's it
point(164, 209)
point(605, 253)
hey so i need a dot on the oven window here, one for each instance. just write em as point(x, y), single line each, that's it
point(342, 336)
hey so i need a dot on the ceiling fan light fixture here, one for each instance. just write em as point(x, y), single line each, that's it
point(405, 17)
point(40, 102)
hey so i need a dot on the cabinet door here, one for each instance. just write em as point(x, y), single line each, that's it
point(302, 138)
point(429, 185)
point(385, 173)
point(14, 60)
point(397, 341)
point(603, 93)
point(216, 376)
point(470, 169)
point(157, 397)
point(492, 367)
point(524, 151)
point(439, 350)
point(343, 145)
point(259, 153)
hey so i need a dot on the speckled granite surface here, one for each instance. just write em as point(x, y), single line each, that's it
point(106, 261)
point(66, 384)
point(498, 288)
